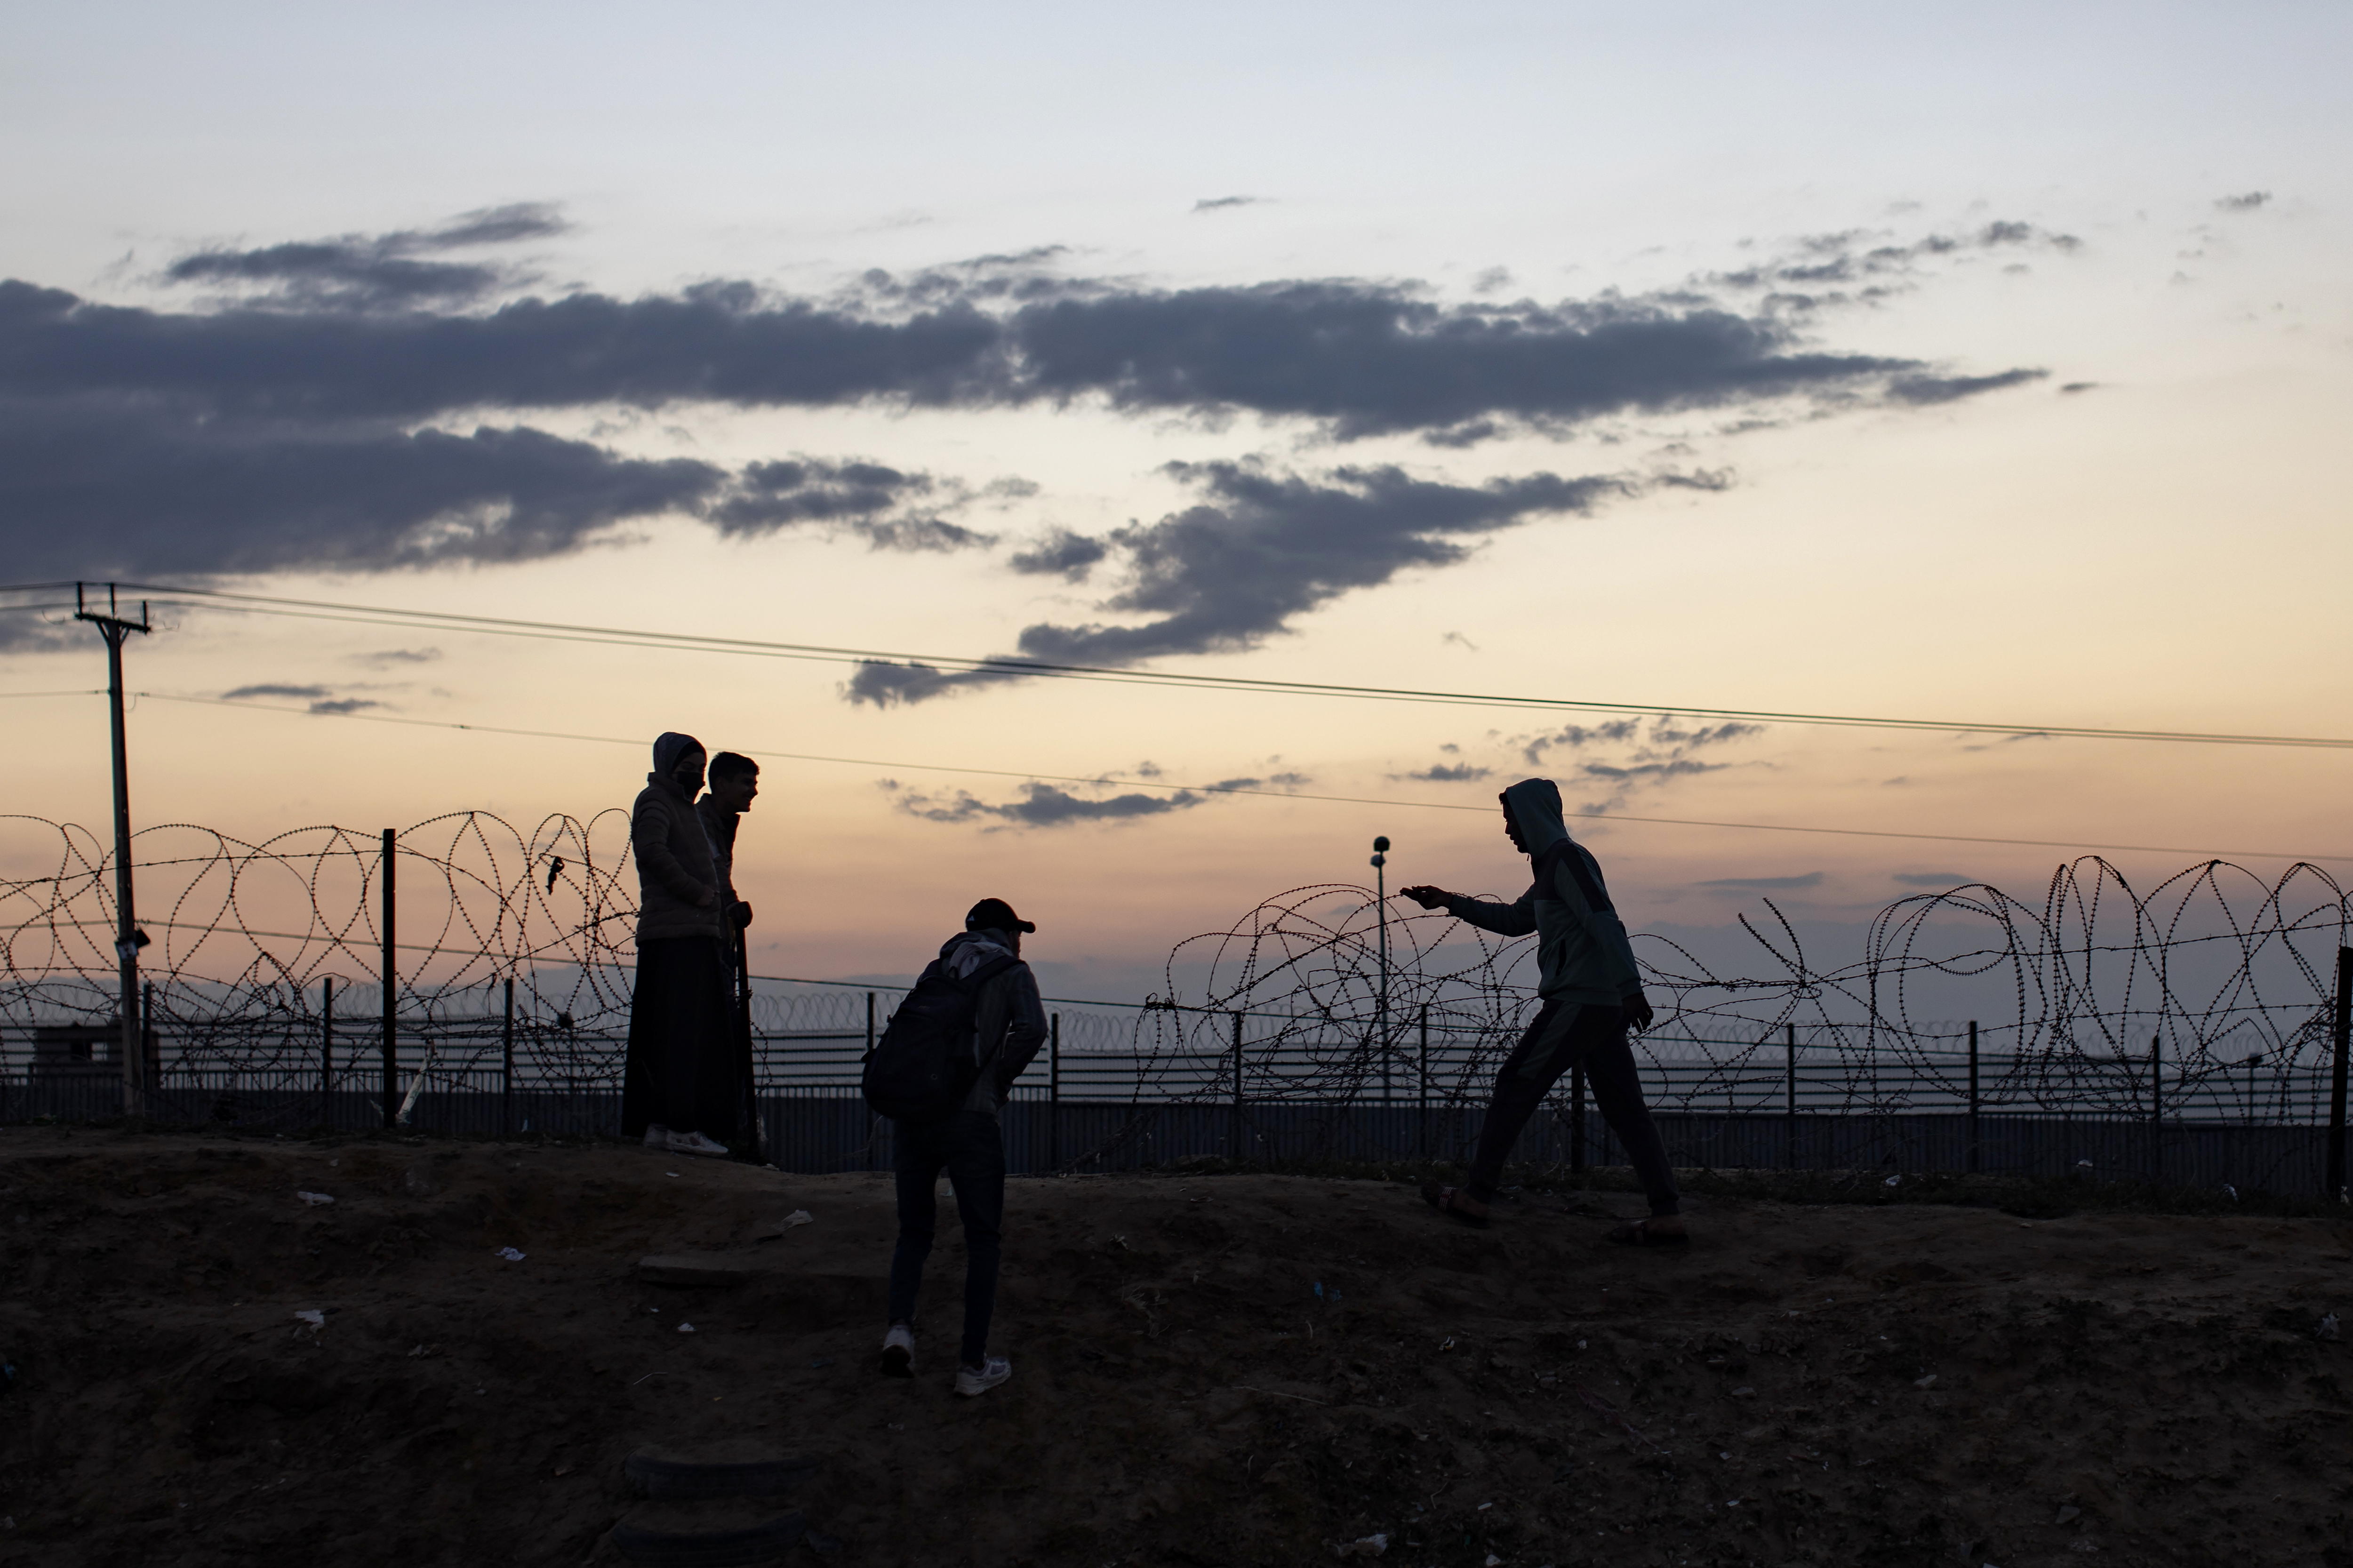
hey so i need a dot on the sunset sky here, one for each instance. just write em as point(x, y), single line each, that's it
point(1825, 359)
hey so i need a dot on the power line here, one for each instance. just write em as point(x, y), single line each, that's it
point(778, 755)
point(374, 615)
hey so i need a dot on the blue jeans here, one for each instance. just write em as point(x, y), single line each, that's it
point(969, 1147)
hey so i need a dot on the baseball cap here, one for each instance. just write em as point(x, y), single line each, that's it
point(995, 914)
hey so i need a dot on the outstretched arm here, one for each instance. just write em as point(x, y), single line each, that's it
point(1503, 920)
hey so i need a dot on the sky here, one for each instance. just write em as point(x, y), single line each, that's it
point(1818, 358)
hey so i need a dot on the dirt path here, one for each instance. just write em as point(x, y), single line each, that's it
point(1900, 1384)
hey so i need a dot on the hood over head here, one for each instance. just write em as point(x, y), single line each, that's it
point(1535, 805)
point(668, 746)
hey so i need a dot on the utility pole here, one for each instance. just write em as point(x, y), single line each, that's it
point(1381, 902)
point(129, 938)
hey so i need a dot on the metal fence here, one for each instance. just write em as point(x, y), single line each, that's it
point(1790, 1103)
point(2194, 1032)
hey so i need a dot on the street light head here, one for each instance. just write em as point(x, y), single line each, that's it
point(1379, 861)
point(1381, 845)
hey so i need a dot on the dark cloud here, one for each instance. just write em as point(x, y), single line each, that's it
point(2075, 386)
point(1925, 389)
point(1364, 359)
point(1657, 754)
point(1049, 806)
point(2245, 202)
point(109, 490)
point(1223, 203)
point(298, 425)
point(369, 271)
point(890, 509)
point(399, 655)
point(1448, 772)
point(1262, 549)
point(94, 487)
point(1939, 879)
point(269, 688)
point(374, 336)
point(1766, 884)
point(322, 699)
point(1575, 736)
point(1854, 266)
point(1063, 553)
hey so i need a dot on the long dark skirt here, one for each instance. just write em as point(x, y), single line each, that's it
point(681, 1071)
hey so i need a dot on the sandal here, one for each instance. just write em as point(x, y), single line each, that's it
point(1637, 1233)
point(1443, 1200)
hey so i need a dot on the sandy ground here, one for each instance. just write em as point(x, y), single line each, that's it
point(1889, 1385)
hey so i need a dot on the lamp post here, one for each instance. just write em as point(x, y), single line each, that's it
point(1381, 902)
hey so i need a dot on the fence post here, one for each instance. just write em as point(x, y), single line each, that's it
point(1237, 1140)
point(1974, 1159)
point(1421, 1118)
point(327, 1053)
point(2157, 1107)
point(391, 978)
point(1790, 1098)
point(1577, 1119)
point(2334, 1179)
point(151, 1046)
point(506, 1066)
point(872, 1128)
point(1054, 1093)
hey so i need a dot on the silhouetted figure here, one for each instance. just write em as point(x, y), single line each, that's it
point(679, 1086)
point(1007, 1025)
point(1591, 993)
point(734, 784)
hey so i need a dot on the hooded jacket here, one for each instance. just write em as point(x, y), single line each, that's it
point(1582, 953)
point(675, 866)
point(1009, 1023)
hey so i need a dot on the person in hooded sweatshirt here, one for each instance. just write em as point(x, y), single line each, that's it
point(1008, 1026)
point(1591, 993)
point(679, 1085)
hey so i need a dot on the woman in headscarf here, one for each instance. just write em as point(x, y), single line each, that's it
point(679, 1088)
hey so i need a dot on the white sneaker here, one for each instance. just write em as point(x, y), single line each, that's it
point(975, 1381)
point(657, 1138)
point(899, 1351)
point(696, 1143)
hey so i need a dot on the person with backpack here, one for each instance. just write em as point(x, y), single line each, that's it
point(942, 1072)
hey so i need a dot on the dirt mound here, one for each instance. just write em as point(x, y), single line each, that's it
point(1212, 1370)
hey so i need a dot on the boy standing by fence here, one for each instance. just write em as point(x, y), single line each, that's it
point(942, 1072)
point(1591, 993)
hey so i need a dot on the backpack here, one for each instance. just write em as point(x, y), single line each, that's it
point(923, 1067)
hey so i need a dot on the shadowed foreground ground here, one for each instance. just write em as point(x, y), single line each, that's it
point(1843, 1385)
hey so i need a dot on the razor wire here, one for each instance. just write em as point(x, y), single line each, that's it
point(2096, 1000)
point(2215, 980)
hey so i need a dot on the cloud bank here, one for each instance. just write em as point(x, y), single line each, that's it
point(366, 403)
point(1262, 549)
